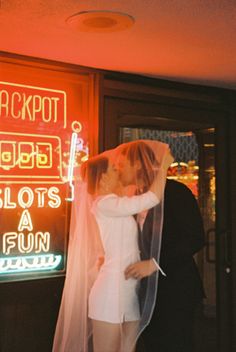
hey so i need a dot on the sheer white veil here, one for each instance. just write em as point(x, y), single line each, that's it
point(74, 328)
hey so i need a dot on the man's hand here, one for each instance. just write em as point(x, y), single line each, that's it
point(140, 269)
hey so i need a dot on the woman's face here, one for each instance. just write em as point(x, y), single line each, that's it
point(112, 176)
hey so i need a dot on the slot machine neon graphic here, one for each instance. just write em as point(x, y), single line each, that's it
point(39, 148)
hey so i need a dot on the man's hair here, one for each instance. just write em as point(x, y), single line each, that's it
point(140, 151)
point(92, 171)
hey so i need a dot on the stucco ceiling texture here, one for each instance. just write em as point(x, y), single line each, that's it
point(191, 41)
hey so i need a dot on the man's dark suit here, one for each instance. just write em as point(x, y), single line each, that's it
point(170, 329)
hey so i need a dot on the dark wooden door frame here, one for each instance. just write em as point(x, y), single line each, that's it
point(232, 173)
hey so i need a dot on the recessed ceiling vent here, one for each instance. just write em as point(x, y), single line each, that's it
point(100, 21)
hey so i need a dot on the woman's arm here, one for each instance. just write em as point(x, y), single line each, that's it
point(113, 205)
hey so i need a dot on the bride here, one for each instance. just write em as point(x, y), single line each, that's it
point(100, 309)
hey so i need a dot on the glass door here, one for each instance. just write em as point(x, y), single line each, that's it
point(199, 137)
point(194, 166)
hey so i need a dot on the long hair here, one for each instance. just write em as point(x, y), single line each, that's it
point(92, 171)
point(141, 151)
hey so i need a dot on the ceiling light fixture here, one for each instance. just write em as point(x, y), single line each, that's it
point(100, 21)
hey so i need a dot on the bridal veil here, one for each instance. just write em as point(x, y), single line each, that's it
point(137, 164)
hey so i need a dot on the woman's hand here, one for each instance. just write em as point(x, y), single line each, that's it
point(140, 269)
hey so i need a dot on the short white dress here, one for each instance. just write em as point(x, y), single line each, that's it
point(112, 298)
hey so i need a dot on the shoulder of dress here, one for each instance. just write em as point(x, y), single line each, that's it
point(105, 197)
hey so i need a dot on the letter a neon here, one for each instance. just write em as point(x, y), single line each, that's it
point(25, 221)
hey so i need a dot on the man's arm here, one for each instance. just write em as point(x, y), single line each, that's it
point(184, 221)
point(183, 230)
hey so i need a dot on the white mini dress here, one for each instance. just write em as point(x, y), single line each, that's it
point(113, 298)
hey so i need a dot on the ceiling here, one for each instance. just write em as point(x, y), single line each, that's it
point(182, 40)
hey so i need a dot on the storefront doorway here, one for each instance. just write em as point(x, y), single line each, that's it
point(194, 166)
point(203, 166)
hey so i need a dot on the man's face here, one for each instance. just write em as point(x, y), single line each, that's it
point(127, 172)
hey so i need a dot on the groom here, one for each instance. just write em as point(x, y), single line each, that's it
point(181, 290)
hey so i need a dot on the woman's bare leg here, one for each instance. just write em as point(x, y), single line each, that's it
point(106, 336)
point(129, 330)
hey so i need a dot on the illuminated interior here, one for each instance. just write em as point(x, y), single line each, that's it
point(184, 148)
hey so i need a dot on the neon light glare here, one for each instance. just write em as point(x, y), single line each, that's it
point(31, 158)
point(26, 159)
point(55, 199)
point(85, 158)
point(26, 153)
point(76, 126)
point(34, 153)
point(28, 191)
point(25, 104)
point(71, 164)
point(44, 155)
point(7, 154)
point(29, 263)
point(38, 195)
point(41, 191)
point(23, 245)
point(25, 221)
point(7, 203)
point(38, 242)
point(42, 242)
point(8, 241)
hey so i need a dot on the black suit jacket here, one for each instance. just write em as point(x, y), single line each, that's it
point(182, 237)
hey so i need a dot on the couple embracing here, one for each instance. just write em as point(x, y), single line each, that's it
point(104, 307)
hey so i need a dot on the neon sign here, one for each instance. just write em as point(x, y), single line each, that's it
point(39, 148)
point(21, 153)
point(32, 104)
point(72, 164)
point(29, 263)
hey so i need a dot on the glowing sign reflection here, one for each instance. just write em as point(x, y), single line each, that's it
point(29, 263)
point(40, 145)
